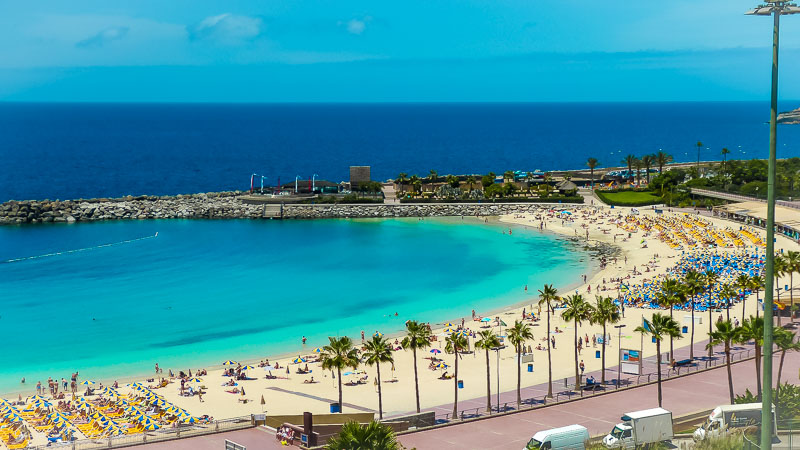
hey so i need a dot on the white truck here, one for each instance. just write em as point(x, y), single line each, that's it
point(729, 417)
point(641, 428)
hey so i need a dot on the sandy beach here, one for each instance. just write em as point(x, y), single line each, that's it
point(292, 393)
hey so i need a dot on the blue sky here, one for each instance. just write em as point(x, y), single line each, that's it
point(416, 50)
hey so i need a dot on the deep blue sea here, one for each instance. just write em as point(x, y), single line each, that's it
point(99, 150)
point(202, 292)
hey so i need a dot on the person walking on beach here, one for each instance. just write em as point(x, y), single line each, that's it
point(39, 388)
point(304, 340)
point(156, 368)
point(583, 367)
point(553, 341)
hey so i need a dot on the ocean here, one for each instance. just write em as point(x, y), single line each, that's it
point(67, 151)
point(202, 292)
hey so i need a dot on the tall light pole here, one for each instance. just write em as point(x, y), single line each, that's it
point(295, 183)
point(314, 183)
point(775, 8)
point(619, 351)
point(497, 352)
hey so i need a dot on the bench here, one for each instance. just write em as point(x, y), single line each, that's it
point(683, 362)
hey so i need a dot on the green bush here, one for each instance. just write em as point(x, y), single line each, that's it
point(629, 197)
point(552, 199)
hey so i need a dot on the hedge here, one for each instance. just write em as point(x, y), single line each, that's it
point(562, 199)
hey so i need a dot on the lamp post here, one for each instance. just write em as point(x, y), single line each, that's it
point(314, 183)
point(774, 8)
point(497, 352)
point(619, 350)
point(295, 183)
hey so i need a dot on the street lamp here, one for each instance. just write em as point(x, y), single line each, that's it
point(497, 352)
point(775, 8)
point(619, 351)
point(295, 183)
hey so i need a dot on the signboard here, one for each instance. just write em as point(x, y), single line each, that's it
point(631, 361)
point(631, 356)
point(527, 358)
point(304, 439)
point(230, 445)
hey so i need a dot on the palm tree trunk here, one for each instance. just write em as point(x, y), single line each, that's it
point(519, 375)
point(710, 330)
point(791, 293)
point(577, 373)
point(416, 378)
point(728, 309)
point(728, 364)
point(780, 369)
point(758, 370)
point(549, 361)
point(455, 387)
point(603, 360)
point(658, 369)
point(488, 385)
point(591, 175)
point(757, 303)
point(671, 348)
point(380, 398)
point(691, 338)
point(339, 373)
point(744, 304)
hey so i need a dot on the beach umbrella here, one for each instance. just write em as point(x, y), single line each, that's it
point(449, 330)
point(317, 350)
point(298, 360)
point(486, 319)
point(269, 368)
point(35, 397)
point(135, 385)
point(448, 325)
point(13, 418)
point(195, 380)
point(151, 427)
point(230, 363)
point(88, 383)
point(131, 410)
point(436, 351)
point(189, 419)
point(378, 334)
point(348, 373)
point(248, 368)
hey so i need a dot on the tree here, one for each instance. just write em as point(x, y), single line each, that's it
point(662, 159)
point(752, 329)
point(487, 340)
point(547, 295)
point(699, 147)
point(508, 176)
point(456, 342)
point(378, 351)
point(630, 160)
point(401, 180)
point(671, 295)
point(453, 181)
point(779, 268)
point(432, 177)
point(418, 337)
point(471, 181)
point(784, 340)
point(756, 284)
point(415, 182)
point(518, 335)
point(592, 163)
point(710, 277)
point(728, 293)
point(743, 283)
point(577, 310)
point(339, 354)
point(726, 334)
point(725, 152)
point(659, 327)
point(693, 285)
point(792, 265)
point(374, 435)
point(488, 180)
point(604, 312)
point(647, 161)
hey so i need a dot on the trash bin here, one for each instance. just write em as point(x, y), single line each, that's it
point(336, 408)
point(530, 367)
point(461, 384)
point(597, 354)
point(654, 339)
point(685, 330)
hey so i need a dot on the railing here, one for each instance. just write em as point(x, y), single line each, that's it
point(710, 192)
point(529, 403)
point(163, 434)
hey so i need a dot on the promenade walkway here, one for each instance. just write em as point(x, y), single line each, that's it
point(685, 395)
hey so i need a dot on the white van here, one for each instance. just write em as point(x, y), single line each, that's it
point(729, 417)
point(573, 437)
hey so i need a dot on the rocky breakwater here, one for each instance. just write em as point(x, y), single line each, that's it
point(409, 210)
point(790, 117)
point(215, 205)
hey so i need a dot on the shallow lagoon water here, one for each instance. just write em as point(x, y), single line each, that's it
point(205, 291)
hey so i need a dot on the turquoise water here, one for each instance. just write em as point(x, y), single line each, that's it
point(205, 291)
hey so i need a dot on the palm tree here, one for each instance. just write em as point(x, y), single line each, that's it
point(784, 339)
point(577, 310)
point(671, 294)
point(471, 180)
point(518, 335)
point(592, 163)
point(456, 342)
point(792, 265)
point(725, 152)
point(693, 285)
point(710, 278)
point(604, 312)
point(508, 176)
point(728, 293)
point(402, 179)
point(415, 182)
point(339, 354)
point(743, 283)
point(487, 340)
point(659, 327)
point(647, 161)
point(752, 329)
point(779, 268)
point(374, 435)
point(756, 284)
point(699, 147)
point(418, 337)
point(726, 334)
point(432, 176)
point(378, 351)
point(662, 159)
point(637, 163)
point(630, 160)
point(547, 295)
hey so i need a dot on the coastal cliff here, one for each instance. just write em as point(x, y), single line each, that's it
point(790, 117)
point(229, 205)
